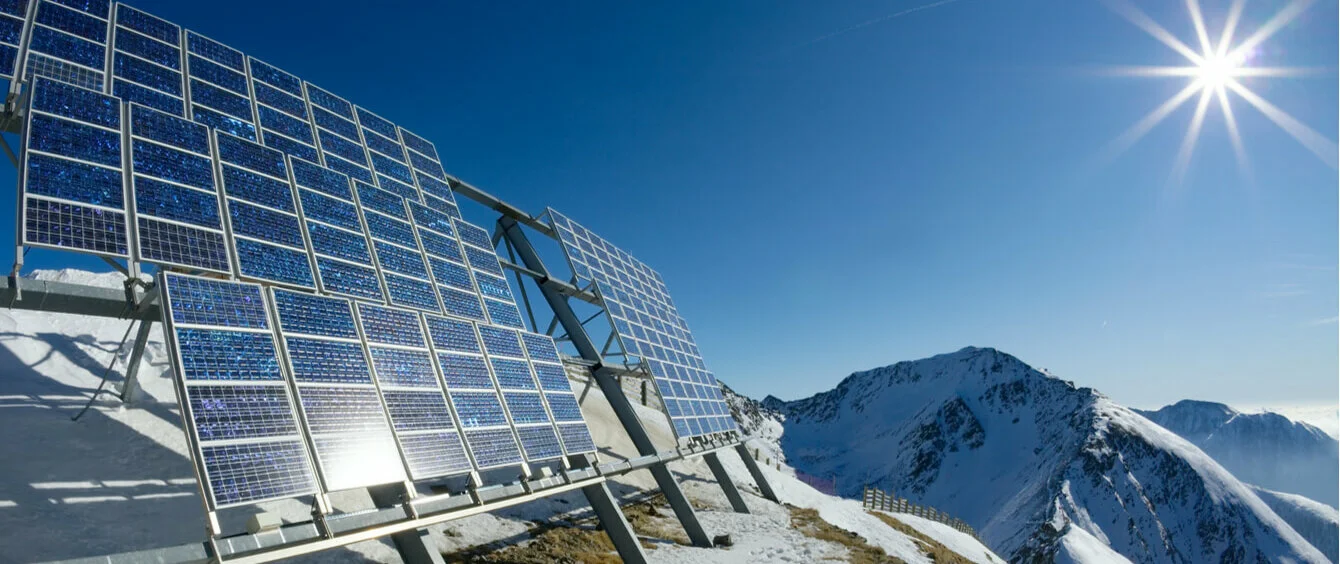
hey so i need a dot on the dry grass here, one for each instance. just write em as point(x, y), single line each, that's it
point(567, 545)
point(808, 522)
point(934, 550)
point(649, 522)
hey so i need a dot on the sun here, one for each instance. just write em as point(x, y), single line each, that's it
point(1215, 70)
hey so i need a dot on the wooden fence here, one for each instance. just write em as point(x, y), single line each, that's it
point(875, 499)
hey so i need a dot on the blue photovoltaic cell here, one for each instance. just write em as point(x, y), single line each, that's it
point(504, 313)
point(349, 169)
point(172, 164)
point(483, 260)
point(576, 438)
point(329, 210)
point(339, 146)
point(383, 146)
point(452, 335)
point(462, 304)
point(451, 274)
point(67, 47)
point(473, 235)
point(150, 49)
point(215, 51)
point(478, 409)
point(262, 223)
point(137, 94)
point(197, 301)
point(564, 406)
point(493, 447)
point(258, 189)
point(338, 243)
point(349, 409)
point(330, 122)
point(512, 374)
point(170, 130)
point(540, 443)
point(314, 315)
point(357, 460)
point(240, 412)
point(275, 77)
point(69, 180)
point(269, 262)
point(525, 408)
point(425, 216)
point(330, 102)
point(493, 287)
point(500, 342)
point(417, 411)
point(73, 22)
point(321, 179)
point(284, 124)
point(282, 101)
point(419, 144)
point(217, 355)
point(435, 454)
point(76, 103)
point(398, 188)
point(350, 280)
point(76, 140)
point(411, 293)
point(400, 260)
point(376, 123)
point(552, 377)
point(317, 360)
point(8, 58)
point(398, 367)
point(225, 123)
point(443, 206)
point(373, 198)
point(17, 8)
point(169, 201)
point(429, 167)
point(291, 147)
point(465, 371)
point(253, 472)
point(435, 187)
point(388, 229)
point(389, 326)
point(174, 244)
point(148, 24)
point(540, 347)
point(393, 169)
point(74, 226)
point(11, 30)
point(146, 73)
point(98, 8)
point(441, 246)
point(233, 104)
point(252, 156)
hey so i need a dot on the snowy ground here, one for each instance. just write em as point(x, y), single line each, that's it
point(119, 479)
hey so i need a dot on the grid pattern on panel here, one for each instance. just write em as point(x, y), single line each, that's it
point(406, 378)
point(282, 112)
point(261, 213)
point(172, 187)
point(235, 401)
point(476, 399)
point(216, 85)
point(12, 16)
point(146, 61)
point(337, 134)
point(69, 43)
point(342, 410)
point(648, 326)
point(559, 398)
point(73, 197)
point(399, 258)
point(446, 263)
point(477, 248)
point(338, 239)
point(524, 402)
point(386, 154)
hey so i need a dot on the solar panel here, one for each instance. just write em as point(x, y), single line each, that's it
point(146, 61)
point(558, 395)
point(172, 188)
point(477, 248)
point(475, 396)
point(281, 111)
point(387, 154)
point(262, 215)
point(397, 250)
point(69, 43)
point(526, 406)
point(446, 263)
point(339, 242)
point(71, 175)
point(217, 87)
point(12, 16)
point(337, 134)
point(342, 410)
point(240, 417)
point(649, 327)
point(408, 382)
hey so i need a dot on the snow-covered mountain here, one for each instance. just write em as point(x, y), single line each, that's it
point(1263, 449)
point(1044, 470)
point(1317, 522)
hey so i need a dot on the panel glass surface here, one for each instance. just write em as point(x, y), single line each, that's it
point(146, 61)
point(262, 215)
point(476, 400)
point(68, 44)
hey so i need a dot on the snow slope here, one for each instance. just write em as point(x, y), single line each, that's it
point(1266, 449)
point(119, 479)
point(1027, 459)
point(1317, 522)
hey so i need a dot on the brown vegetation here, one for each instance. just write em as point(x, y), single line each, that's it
point(937, 552)
point(808, 522)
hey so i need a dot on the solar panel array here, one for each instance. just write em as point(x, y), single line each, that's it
point(347, 350)
point(648, 326)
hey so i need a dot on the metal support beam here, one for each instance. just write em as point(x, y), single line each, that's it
point(615, 525)
point(763, 486)
point(413, 545)
point(609, 386)
point(61, 297)
point(130, 389)
point(509, 212)
point(728, 486)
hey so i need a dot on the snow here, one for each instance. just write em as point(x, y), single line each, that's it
point(120, 478)
point(1077, 546)
point(951, 538)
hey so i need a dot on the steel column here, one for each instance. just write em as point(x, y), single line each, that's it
point(616, 526)
point(131, 387)
point(728, 486)
point(763, 486)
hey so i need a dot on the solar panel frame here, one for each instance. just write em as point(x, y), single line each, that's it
point(440, 246)
point(329, 268)
point(248, 250)
point(256, 323)
point(405, 287)
point(523, 401)
point(480, 439)
point(241, 123)
point(134, 89)
point(40, 56)
point(12, 44)
point(339, 470)
point(484, 262)
point(106, 228)
point(374, 141)
point(269, 136)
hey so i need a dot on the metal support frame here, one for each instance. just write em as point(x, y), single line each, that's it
point(728, 486)
point(130, 389)
point(412, 544)
point(763, 486)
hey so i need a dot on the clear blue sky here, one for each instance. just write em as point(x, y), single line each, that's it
point(822, 201)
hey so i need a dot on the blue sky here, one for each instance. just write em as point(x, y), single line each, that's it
point(823, 196)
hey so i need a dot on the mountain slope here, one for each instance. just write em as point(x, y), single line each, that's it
point(1030, 461)
point(1317, 522)
point(1265, 449)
